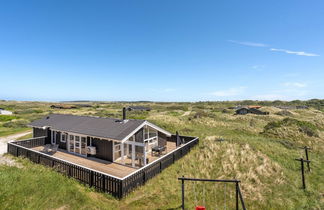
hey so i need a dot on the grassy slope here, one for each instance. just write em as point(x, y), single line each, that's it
point(265, 165)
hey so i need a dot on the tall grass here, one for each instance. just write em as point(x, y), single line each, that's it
point(270, 177)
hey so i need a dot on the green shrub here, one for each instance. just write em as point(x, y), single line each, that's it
point(29, 111)
point(284, 113)
point(16, 124)
point(4, 118)
point(179, 107)
point(201, 114)
point(303, 126)
point(175, 114)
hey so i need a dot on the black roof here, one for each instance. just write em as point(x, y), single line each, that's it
point(93, 126)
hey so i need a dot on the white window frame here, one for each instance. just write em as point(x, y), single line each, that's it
point(63, 136)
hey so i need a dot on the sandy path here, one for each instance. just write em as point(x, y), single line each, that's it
point(4, 141)
point(186, 113)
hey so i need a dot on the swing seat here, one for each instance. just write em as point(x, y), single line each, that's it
point(200, 208)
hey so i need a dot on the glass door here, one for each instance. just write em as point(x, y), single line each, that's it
point(71, 143)
point(77, 146)
point(83, 146)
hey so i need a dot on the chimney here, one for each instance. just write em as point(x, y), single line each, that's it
point(124, 113)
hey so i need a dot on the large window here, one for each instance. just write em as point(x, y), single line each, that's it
point(71, 142)
point(117, 150)
point(149, 132)
point(63, 137)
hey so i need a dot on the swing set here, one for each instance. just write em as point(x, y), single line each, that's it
point(238, 194)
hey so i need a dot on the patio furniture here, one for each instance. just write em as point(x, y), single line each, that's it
point(158, 149)
point(54, 148)
point(46, 148)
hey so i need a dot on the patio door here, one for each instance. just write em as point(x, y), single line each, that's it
point(83, 150)
point(71, 143)
point(78, 145)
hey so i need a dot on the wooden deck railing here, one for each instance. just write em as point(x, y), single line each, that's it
point(118, 187)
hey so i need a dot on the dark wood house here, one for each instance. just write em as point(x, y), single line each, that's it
point(138, 108)
point(245, 110)
point(115, 140)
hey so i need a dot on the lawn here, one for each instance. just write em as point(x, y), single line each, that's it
point(262, 159)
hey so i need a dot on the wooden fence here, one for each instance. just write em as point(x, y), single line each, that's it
point(118, 187)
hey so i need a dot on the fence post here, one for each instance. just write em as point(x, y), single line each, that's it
point(144, 178)
point(237, 195)
point(306, 151)
point(120, 189)
point(91, 179)
point(103, 182)
point(182, 193)
point(303, 174)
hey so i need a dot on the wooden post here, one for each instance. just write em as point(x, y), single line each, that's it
point(122, 153)
point(307, 157)
point(306, 153)
point(302, 171)
point(182, 191)
point(133, 155)
point(237, 195)
point(91, 178)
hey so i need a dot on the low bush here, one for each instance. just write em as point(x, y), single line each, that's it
point(303, 126)
point(16, 123)
point(284, 113)
point(4, 118)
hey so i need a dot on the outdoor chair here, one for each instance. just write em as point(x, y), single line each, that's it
point(46, 148)
point(55, 148)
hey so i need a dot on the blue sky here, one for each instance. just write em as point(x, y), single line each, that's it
point(161, 50)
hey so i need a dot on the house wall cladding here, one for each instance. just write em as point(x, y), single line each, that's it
point(162, 139)
point(38, 132)
point(103, 149)
point(62, 145)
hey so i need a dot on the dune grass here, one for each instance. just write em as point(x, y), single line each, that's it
point(270, 177)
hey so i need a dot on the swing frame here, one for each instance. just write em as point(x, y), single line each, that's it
point(238, 194)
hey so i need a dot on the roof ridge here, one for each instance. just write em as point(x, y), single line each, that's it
point(96, 117)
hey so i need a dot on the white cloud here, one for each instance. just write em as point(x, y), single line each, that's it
point(229, 92)
point(251, 44)
point(294, 52)
point(295, 84)
point(256, 44)
point(269, 97)
point(258, 67)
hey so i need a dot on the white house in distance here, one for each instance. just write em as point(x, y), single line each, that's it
point(5, 112)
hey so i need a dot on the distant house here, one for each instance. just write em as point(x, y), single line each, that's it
point(302, 107)
point(138, 108)
point(244, 111)
point(5, 112)
point(62, 106)
point(235, 107)
point(84, 105)
point(254, 107)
